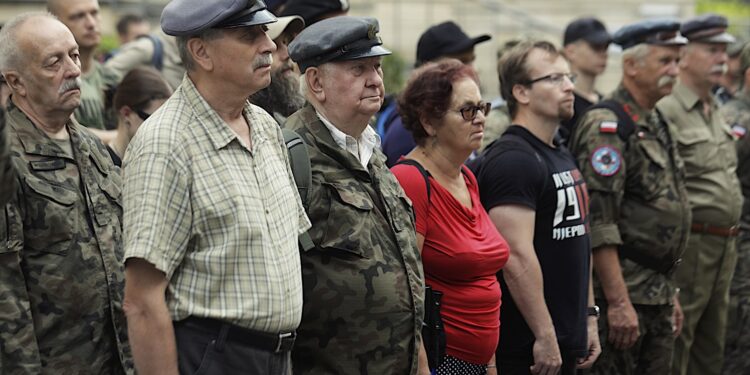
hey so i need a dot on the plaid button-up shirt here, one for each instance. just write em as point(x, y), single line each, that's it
point(220, 220)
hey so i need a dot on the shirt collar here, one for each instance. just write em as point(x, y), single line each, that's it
point(33, 140)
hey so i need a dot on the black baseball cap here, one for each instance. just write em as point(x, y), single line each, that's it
point(445, 39)
point(589, 29)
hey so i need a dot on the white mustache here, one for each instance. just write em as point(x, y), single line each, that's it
point(722, 68)
point(665, 80)
point(70, 84)
point(262, 60)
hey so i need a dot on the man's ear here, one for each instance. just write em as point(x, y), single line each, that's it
point(314, 76)
point(521, 93)
point(199, 50)
point(15, 82)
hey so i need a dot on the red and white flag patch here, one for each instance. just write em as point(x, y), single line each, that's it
point(739, 131)
point(608, 127)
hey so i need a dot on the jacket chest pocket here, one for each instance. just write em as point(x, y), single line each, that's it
point(52, 216)
point(653, 174)
point(698, 151)
point(349, 223)
point(111, 206)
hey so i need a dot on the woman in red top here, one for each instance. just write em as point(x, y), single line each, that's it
point(461, 249)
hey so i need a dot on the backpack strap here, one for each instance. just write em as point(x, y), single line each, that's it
point(300, 164)
point(157, 60)
point(625, 124)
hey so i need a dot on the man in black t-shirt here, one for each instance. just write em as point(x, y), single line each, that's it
point(538, 200)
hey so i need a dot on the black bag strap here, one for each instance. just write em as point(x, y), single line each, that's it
point(157, 60)
point(300, 164)
point(625, 124)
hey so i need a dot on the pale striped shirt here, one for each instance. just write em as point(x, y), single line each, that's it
point(220, 220)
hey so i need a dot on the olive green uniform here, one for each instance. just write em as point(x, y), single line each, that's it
point(737, 344)
point(705, 143)
point(61, 271)
point(497, 121)
point(363, 281)
point(639, 204)
point(140, 52)
point(92, 112)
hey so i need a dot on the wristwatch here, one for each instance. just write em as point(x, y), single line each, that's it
point(593, 311)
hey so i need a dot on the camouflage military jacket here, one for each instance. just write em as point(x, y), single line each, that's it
point(7, 182)
point(61, 272)
point(638, 197)
point(363, 281)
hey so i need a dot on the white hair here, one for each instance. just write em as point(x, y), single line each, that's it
point(303, 88)
point(637, 53)
point(11, 55)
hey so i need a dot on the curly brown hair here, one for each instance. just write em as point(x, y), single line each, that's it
point(428, 93)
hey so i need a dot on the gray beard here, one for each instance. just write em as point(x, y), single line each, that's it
point(281, 96)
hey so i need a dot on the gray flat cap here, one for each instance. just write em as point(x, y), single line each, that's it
point(707, 28)
point(335, 39)
point(191, 17)
point(655, 32)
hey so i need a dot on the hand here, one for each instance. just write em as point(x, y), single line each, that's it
point(423, 367)
point(677, 317)
point(593, 345)
point(547, 359)
point(623, 325)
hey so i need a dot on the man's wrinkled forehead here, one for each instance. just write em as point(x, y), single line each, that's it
point(43, 37)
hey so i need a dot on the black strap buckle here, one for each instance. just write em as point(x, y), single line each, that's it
point(285, 342)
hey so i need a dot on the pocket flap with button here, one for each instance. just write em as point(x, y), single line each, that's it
point(655, 152)
point(58, 194)
point(353, 196)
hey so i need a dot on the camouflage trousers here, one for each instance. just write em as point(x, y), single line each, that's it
point(737, 344)
point(704, 278)
point(652, 352)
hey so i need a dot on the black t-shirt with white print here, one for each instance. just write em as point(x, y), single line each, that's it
point(520, 169)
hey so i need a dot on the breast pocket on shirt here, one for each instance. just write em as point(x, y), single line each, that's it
point(698, 151)
point(51, 216)
point(348, 226)
point(653, 172)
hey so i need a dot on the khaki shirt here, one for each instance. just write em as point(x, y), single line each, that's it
point(92, 112)
point(219, 219)
point(637, 193)
point(140, 52)
point(706, 144)
point(61, 270)
point(363, 280)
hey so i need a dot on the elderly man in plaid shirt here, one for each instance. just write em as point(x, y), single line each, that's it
point(212, 212)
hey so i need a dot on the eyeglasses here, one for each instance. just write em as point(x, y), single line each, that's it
point(469, 112)
point(141, 114)
point(556, 78)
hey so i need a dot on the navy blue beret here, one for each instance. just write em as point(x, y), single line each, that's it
point(191, 17)
point(337, 38)
point(707, 28)
point(656, 32)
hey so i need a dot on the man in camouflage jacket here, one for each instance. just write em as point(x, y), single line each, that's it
point(363, 279)
point(737, 114)
point(61, 275)
point(640, 216)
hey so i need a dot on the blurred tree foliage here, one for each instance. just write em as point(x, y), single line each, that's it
point(737, 11)
point(395, 70)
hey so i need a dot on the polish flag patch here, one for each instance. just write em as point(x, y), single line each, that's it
point(739, 131)
point(608, 127)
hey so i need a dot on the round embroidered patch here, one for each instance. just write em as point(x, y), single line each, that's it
point(606, 161)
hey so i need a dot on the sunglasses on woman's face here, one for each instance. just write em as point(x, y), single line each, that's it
point(469, 112)
point(141, 114)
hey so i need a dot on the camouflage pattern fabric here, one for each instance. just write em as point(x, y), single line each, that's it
point(638, 197)
point(61, 275)
point(7, 182)
point(363, 281)
point(737, 345)
point(652, 352)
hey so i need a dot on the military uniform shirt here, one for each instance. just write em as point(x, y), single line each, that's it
point(61, 273)
point(362, 148)
point(221, 221)
point(638, 197)
point(7, 182)
point(707, 147)
point(363, 280)
point(91, 113)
